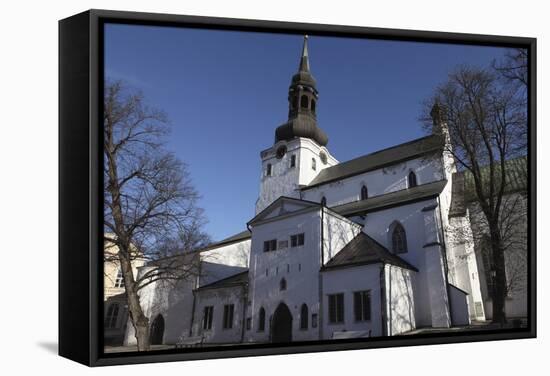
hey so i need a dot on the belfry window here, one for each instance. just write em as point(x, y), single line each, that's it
point(304, 101)
point(399, 239)
point(313, 105)
point(292, 161)
point(313, 164)
point(364, 192)
point(268, 170)
point(412, 179)
point(324, 201)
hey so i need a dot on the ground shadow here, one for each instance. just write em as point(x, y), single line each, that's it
point(48, 346)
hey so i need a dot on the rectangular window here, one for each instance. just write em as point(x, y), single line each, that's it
point(207, 317)
point(297, 240)
point(361, 305)
point(248, 323)
point(228, 310)
point(268, 170)
point(292, 161)
point(336, 308)
point(270, 245)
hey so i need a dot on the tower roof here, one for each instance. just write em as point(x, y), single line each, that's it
point(302, 119)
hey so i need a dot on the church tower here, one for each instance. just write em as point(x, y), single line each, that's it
point(299, 152)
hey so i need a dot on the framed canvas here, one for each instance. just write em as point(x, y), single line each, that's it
point(239, 187)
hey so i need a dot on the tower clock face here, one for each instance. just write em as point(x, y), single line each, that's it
point(281, 151)
point(323, 157)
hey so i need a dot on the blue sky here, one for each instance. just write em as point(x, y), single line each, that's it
point(225, 92)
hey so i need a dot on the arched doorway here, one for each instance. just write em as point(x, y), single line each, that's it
point(281, 325)
point(157, 331)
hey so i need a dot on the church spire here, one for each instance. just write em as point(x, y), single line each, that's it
point(304, 60)
point(302, 105)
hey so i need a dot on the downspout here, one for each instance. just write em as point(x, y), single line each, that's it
point(245, 302)
point(194, 300)
point(320, 321)
point(383, 308)
point(445, 264)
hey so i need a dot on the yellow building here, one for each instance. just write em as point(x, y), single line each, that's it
point(114, 295)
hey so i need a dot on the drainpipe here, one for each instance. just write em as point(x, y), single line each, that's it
point(383, 308)
point(445, 264)
point(245, 303)
point(194, 299)
point(320, 321)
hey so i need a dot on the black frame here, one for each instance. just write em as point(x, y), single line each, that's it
point(81, 187)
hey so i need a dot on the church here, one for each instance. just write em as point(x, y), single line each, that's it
point(359, 248)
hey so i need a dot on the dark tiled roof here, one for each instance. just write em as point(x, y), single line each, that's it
point(463, 190)
point(235, 280)
point(378, 159)
point(232, 239)
point(403, 196)
point(516, 177)
point(364, 250)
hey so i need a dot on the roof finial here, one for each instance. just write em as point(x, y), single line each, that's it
point(304, 60)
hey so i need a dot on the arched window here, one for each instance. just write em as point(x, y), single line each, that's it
point(313, 105)
point(399, 239)
point(112, 316)
point(268, 170)
point(282, 284)
point(313, 164)
point(324, 201)
point(303, 317)
point(261, 320)
point(304, 101)
point(364, 192)
point(119, 282)
point(412, 179)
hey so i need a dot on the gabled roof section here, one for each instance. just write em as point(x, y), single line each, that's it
point(418, 193)
point(241, 236)
point(364, 250)
point(379, 159)
point(234, 280)
point(281, 206)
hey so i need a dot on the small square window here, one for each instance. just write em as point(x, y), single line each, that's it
point(297, 240)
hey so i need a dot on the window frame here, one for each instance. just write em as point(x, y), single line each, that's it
point(295, 240)
point(207, 317)
point(270, 245)
point(228, 316)
point(364, 192)
point(412, 180)
point(399, 230)
point(365, 314)
point(337, 300)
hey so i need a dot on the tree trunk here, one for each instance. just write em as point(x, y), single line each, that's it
point(499, 293)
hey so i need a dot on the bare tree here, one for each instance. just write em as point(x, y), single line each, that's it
point(150, 204)
point(485, 120)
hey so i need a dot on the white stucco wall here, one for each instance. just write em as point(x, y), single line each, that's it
point(400, 303)
point(378, 182)
point(298, 265)
point(285, 180)
point(347, 281)
point(225, 261)
point(217, 298)
point(337, 232)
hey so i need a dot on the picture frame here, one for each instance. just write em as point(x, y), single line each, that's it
point(81, 161)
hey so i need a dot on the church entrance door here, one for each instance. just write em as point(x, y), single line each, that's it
point(281, 325)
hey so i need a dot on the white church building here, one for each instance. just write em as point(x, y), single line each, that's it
point(360, 248)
